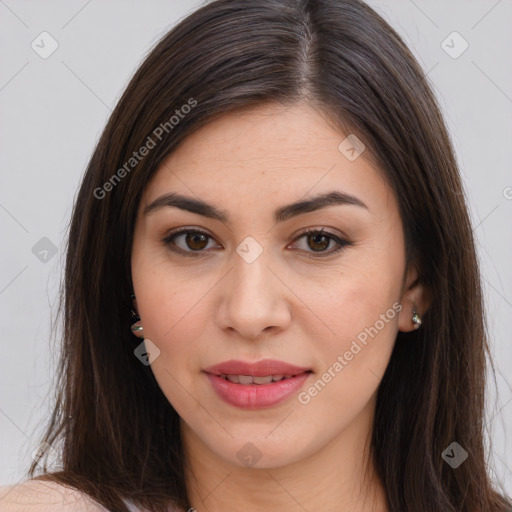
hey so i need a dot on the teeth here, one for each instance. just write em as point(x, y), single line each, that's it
point(249, 379)
point(245, 379)
point(262, 380)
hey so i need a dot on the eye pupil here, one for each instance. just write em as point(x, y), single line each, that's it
point(317, 238)
point(193, 238)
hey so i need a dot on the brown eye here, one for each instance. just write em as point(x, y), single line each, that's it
point(317, 241)
point(193, 242)
point(196, 241)
point(190, 241)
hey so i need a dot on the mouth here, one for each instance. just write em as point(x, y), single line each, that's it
point(247, 380)
point(266, 368)
point(256, 385)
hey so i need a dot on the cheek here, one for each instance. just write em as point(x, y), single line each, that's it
point(352, 362)
point(365, 327)
point(173, 312)
point(170, 303)
point(354, 298)
point(360, 311)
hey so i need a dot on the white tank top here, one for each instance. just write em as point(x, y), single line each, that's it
point(133, 508)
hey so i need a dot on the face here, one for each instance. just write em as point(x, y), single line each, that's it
point(322, 286)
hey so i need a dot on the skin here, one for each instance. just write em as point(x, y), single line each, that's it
point(202, 310)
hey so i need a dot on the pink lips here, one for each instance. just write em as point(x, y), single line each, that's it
point(256, 396)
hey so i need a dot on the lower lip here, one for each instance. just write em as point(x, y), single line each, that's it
point(256, 396)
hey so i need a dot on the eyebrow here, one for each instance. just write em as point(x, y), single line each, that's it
point(283, 213)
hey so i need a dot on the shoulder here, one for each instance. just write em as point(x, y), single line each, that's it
point(45, 496)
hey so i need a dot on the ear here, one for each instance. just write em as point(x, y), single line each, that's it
point(414, 295)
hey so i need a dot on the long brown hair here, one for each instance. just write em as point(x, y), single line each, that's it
point(120, 436)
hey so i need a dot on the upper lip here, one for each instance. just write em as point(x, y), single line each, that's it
point(256, 369)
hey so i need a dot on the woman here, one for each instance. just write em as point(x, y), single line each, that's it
point(275, 209)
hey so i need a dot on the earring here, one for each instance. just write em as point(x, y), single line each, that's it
point(136, 326)
point(416, 317)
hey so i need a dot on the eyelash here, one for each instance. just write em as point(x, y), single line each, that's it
point(168, 241)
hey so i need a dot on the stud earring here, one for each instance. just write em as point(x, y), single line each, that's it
point(416, 318)
point(137, 330)
point(136, 327)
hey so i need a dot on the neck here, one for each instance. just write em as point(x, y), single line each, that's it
point(338, 476)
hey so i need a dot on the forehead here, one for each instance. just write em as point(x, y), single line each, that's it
point(269, 150)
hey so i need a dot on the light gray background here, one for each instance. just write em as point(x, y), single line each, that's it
point(53, 110)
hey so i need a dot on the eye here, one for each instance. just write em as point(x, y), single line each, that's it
point(193, 239)
point(194, 242)
point(319, 240)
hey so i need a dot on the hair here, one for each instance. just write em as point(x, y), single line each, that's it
point(119, 435)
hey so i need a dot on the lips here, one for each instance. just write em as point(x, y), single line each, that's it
point(264, 368)
point(256, 385)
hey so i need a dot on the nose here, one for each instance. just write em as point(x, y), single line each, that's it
point(254, 300)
